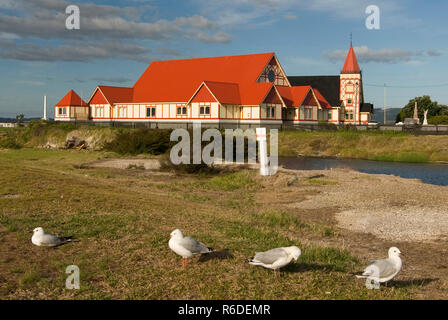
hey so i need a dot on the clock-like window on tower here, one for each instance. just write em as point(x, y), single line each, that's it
point(349, 101)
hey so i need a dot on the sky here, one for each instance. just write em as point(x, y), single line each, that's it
point(117, 40)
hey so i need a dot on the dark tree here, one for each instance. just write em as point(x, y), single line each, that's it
point(423, 103)
point(19, 118)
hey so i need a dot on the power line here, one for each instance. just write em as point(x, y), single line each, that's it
point(408, 87)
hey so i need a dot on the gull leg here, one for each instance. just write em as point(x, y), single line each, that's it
point(184, 262)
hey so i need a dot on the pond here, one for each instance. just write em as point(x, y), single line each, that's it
point(436, 174)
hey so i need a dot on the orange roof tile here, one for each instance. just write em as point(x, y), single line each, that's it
point(71, 99)
point(351, 64)
point(177, 80)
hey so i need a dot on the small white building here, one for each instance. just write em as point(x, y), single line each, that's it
point(8, 124)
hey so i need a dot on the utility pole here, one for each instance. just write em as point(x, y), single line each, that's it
point(385, 104)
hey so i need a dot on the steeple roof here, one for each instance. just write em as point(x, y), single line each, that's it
point(351, 64)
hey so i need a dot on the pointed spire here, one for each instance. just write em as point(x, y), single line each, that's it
point(351, 64)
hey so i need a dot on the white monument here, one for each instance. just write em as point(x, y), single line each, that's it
point(425, 121)
point(45, 108)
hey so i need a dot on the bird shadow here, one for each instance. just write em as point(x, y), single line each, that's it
point(303, 267)
point(216, 255)
point(411, 283)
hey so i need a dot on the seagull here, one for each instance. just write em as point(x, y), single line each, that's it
point(40, 238)
point(275, 258)
point(186, 246)
point(384, 270)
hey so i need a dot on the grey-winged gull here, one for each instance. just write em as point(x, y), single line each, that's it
point(187, 246)
point(384, 270)
point(40, 238)
point(275, 258)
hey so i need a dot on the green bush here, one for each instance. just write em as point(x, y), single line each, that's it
point(201, 168)
point(438, 120)
point(9, 143)
point(141, 141)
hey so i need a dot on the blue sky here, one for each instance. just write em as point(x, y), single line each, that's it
point(118, 39)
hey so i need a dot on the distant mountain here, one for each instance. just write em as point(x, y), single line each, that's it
point(15, 120)
point(391, 114)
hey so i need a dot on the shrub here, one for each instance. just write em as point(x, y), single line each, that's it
point(141, 141)
point(438, 120)
point(9, 143)
point(166, 164)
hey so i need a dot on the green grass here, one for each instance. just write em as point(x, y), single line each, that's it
point(370, 145)
point(322, 181)
point(123, 224)
point(231, 182)
point(415, 157)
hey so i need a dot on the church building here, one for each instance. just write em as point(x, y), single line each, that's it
point(226, 92)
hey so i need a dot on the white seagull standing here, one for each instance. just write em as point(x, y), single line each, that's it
point(275, 258)
point(40, 238)
point(186, 247)
point(384, 270)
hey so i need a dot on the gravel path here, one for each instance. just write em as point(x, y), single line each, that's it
point(389, 207)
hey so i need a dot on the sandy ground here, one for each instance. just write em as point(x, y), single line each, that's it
point(389, 207)
point(147, 164)
point(371, 213)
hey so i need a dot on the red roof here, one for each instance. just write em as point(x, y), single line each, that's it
point(71, 99)
point(177, 80)
point(225, 92)
point(322, 101)
point(117, 94)
point(294, 96)
point(351, 64)
point(233, 93)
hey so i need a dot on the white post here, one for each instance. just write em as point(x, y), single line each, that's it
point(45, 108)
point(263, 151)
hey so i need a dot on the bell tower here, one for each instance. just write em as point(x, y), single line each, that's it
point(351, 88)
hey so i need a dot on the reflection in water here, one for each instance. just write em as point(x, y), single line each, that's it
point(429, 173)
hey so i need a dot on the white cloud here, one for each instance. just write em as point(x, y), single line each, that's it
point(47, 21)
point(73, 51)
point(364, 54)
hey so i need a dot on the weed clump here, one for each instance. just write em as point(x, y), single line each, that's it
point(147, 141)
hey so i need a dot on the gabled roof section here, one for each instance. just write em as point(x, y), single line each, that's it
point(255, 93)
point(117, 94)
point(294, 96)
point(225, 92)
point(71, 99)
point(351, 64)
point(175, 80)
